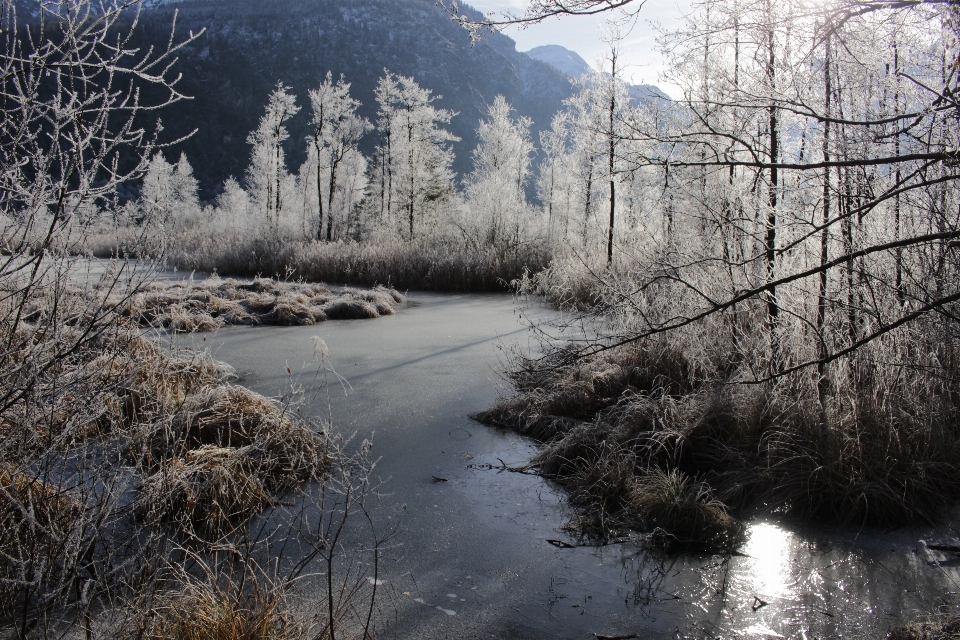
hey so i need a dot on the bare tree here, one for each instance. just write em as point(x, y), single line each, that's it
point(73, 127)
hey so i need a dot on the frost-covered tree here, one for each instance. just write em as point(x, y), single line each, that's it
point(414, 157)
point(593, 129)
point(267, 173)
point(337, 130)
point(575, 168)
point(169, 192)
point(233, 204)
point(183, 186)
point(549, 180)
point(155, 194)
point(495, 190)
point(614, 110)
point(807, 180)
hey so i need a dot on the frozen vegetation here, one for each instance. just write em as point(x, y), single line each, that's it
point(137, 483)
point(765, 271)
point(214, 303)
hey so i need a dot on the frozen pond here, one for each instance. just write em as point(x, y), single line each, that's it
point(473, 560)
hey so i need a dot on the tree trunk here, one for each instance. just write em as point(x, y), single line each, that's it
point(824, 234)
point(773, 308)
point(586, 209)
point(333, 187)
point(316, 145)
point(898, 254)
point(612, 150)
point(277, 167)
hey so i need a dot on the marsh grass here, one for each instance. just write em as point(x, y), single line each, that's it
point(243, 600)
point(686, 509)
point(644, 438)
point(948, 629)
point(204, 611)
point(221, 458)
point(126, 421)
point(437, 264)
point(213, 303)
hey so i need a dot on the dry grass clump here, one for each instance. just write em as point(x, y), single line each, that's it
point(140, 382)
point(29, 503)
point(114, 380)
point(221, 457)
point(558, 391)
point(231, 416)
point(687, 510)
point(209, 490)
point(948, 629)
point(206, 610)
point(213, 303)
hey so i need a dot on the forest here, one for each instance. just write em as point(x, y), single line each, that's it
point(752, 279)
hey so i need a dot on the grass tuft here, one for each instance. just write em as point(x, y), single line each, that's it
point(686, 510)
point(209, 490)
point(221, 457)
point(206, 610)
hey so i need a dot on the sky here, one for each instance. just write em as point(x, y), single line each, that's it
point(583, 34)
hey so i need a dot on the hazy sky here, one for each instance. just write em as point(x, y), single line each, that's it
point(583, 35)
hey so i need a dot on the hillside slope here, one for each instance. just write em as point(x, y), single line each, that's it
point(251, 44)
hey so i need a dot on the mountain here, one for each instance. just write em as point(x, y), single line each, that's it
point(561, 58)
point(643, 92)
point(571, 64)
point(250, 45)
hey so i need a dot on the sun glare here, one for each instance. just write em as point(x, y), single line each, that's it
point(768, 549)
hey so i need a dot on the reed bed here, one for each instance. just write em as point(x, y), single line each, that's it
point(645, 438)
point(209, 452)
point(429, 264)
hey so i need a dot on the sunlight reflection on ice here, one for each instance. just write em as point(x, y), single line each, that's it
point(768, 550)
point(760, 631)
point(762, 583)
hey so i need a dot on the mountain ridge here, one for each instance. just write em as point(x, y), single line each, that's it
point(570, 63)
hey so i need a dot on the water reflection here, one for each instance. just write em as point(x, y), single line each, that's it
point(795, 581)
point(768, 572)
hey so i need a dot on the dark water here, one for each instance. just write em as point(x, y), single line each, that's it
point(472, 558)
